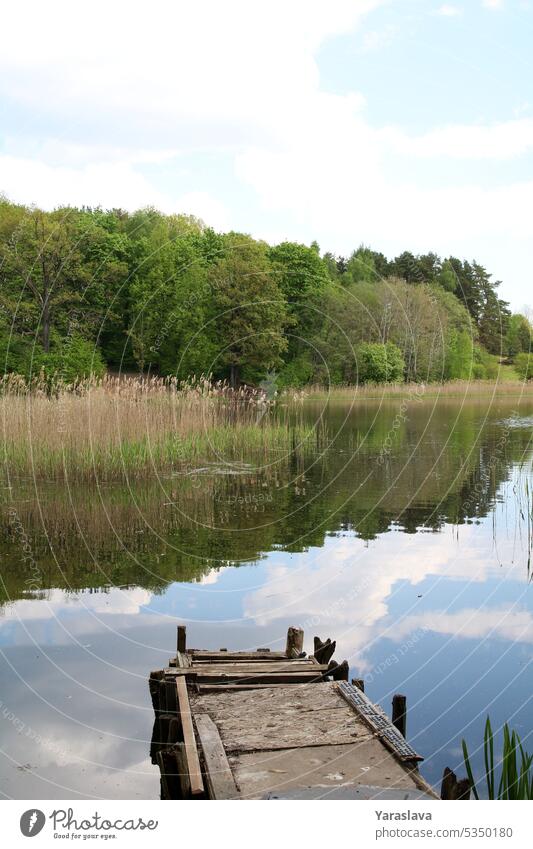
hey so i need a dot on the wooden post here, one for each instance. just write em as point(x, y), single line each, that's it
point(399, 713)
point(453, 789)
point(463, 789)
point(338, 671)
point(295, 641)
point(359, 683)
point(324, 651)
point(182, 638)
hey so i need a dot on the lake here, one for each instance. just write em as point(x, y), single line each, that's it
point(403, 531)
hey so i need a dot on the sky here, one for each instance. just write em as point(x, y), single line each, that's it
point(399, 124)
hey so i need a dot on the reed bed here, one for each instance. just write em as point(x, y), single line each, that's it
point(450, 389)
point(110, 427)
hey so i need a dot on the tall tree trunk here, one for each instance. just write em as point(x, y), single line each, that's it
point(234, 375)
point(46, 324)
point(46, 307)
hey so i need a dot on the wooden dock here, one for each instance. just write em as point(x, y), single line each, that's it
point(275, 725)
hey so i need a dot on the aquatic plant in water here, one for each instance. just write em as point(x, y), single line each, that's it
point(515, 766)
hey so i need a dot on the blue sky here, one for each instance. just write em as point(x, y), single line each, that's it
point(403, 124)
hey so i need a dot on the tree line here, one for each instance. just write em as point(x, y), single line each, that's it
point(82, 290)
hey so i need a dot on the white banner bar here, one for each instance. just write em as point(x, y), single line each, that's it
point(307, 824)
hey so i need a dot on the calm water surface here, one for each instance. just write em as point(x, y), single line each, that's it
point(407, 540)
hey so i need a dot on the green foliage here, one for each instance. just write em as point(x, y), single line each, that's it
point(519, 335)
point(69, 358)
point(515, 765)
point(524, 366)
point(447, 277)
point(380, 363)
point(167, 294)
point(298, 372)
point(486, 366)
point(459, 358)
point(361, 267)
point(73, 358)
point(300, 270)
point(250, 308)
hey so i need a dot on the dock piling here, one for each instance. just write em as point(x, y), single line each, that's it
point(399, 713)
point(295, 641)
point(182, 638)
point(451, 788)
point(221, 715)
point(324, 651)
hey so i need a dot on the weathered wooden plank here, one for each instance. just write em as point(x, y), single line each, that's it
point(379, 722)
point(182, 770)
point(279, 663)
point(292, 666)
point(221, 687)
point(193, 763)
point(242, 669)
point(266, 678)
point(219, 776)
point(199, 654)
point(325, 767)
point(284, 717)
point(261, 701)
point(329, 727)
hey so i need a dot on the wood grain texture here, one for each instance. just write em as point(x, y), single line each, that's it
point(288, 717)
point(191, 753)
point(219, 776)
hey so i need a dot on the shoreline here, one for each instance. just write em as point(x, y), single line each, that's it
point(462, 389)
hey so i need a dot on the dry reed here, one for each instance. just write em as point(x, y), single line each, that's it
point(110, 427)
point(450, 389)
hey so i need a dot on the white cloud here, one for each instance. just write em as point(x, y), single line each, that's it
point(377, 39)
point(214, 575)
point(110, 184)
point(447, 11)
point(349, 193)
point(507, 623)
point(204, 73)
point(138, 88)
point(504, 140)
point(206, 207)
point(114, 602)
point(493, 4)
point(108, 102)
point(345, 589)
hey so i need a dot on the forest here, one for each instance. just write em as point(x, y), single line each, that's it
point(85, 291)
